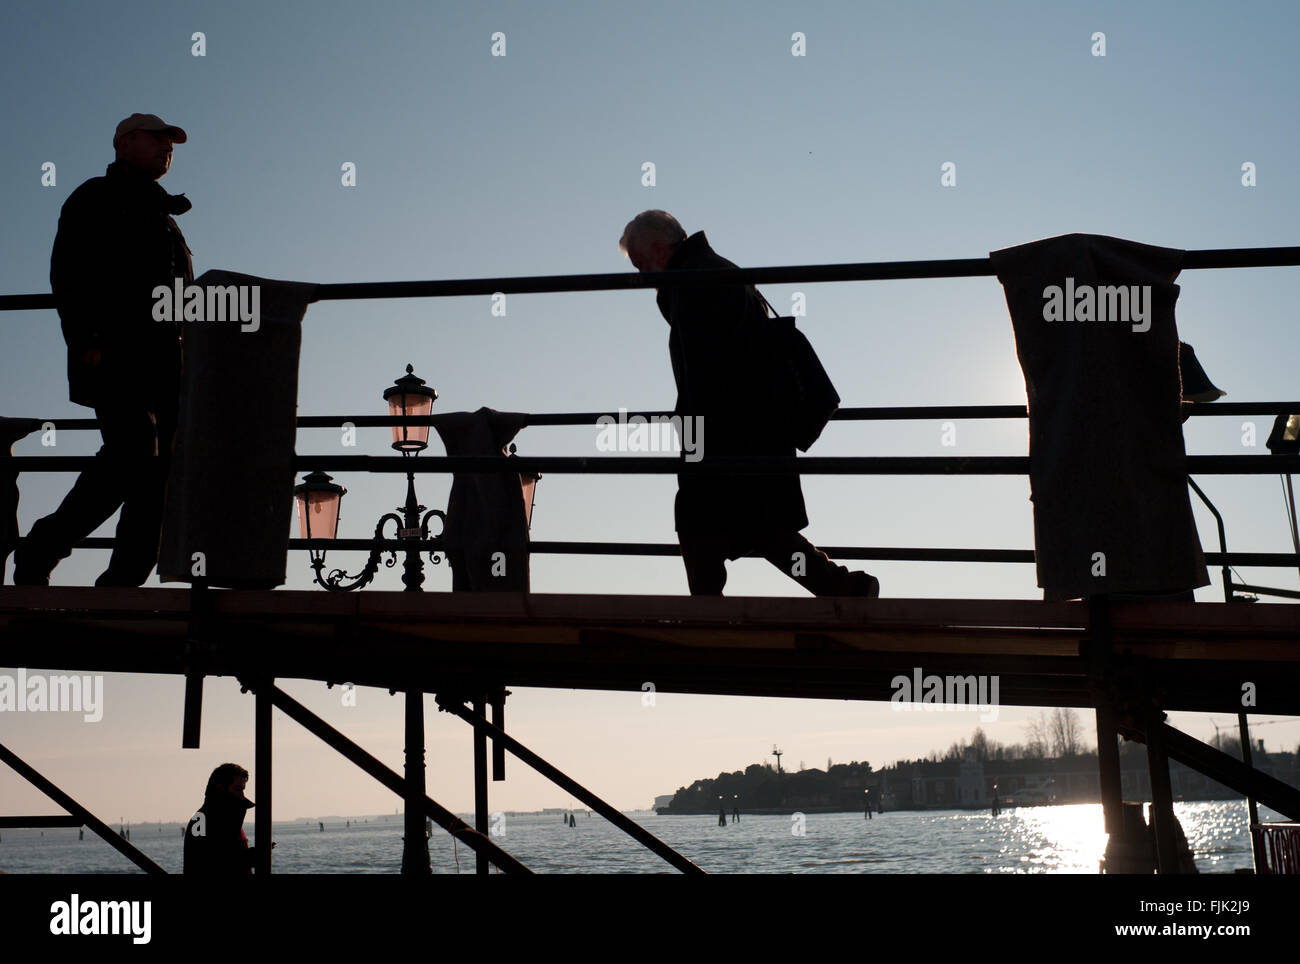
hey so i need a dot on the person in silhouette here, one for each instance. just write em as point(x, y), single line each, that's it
point(215, 844)
point(724, 379)
point(118, 240)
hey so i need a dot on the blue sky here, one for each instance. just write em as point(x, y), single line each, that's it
point(470, 165)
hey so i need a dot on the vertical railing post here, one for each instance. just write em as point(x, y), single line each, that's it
point(415, 841)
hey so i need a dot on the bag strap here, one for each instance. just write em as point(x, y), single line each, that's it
point(775, 313)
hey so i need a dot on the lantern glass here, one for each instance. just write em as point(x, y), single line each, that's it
point(410, 438)
point(318, 514)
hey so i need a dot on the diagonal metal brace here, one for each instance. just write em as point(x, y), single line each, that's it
point(390, 778)
point(1230, 771)
point(131, 853)
point(451, 705)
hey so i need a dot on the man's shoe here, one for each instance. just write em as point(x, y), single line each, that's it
point(29, 572)
point(25, 577)
point(863, 584)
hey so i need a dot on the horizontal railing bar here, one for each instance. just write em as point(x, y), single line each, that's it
point(783, 274)
point(905, 412)
point(672, 465)
point(33, 823)
point(1280, 560)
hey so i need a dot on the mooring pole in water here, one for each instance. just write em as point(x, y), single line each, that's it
point(415, 846)
point(481, 863)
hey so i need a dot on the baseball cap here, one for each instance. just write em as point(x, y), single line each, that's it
point(148, 122)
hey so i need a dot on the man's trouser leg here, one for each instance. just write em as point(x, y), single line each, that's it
point(94, 497)
point(139, 529)
point(807, 565)
point(705, 560)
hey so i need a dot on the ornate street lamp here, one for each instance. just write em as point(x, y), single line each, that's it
point(409, 396)
point(319, 499)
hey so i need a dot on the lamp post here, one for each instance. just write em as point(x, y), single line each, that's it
point(319, 500)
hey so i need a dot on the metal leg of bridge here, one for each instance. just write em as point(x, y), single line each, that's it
point(1108, 775)
point(480, 787)
point(193, 714)
point(1257, 859)
point(499, 721)
point(1231, 772)
point(456, 706)
point(1162, 800)
point(1112, 793)
point(439, 814)
point(77, 810)
point(200, 631)
point(262, 779)
point(415, 848)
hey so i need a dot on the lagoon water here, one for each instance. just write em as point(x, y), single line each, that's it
point(1064, 839)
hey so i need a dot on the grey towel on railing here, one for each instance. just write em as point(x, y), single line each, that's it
point(11, 430)
point(1107, 464)
point(230, 492)
point(485, 510)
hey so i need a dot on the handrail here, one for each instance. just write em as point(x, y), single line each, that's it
point(1268, 257)
point(873, 413)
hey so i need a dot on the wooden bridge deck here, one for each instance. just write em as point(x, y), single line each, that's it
point(1198, 654)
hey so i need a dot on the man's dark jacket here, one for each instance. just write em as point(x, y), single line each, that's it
point(221, 849)
point(724, 373)
point(117, 241)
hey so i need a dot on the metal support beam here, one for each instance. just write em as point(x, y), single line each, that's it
point(193, 715)
point(1109, 780)
point(89, 819)
point(631, 827)
point(499, 721)
point(415, 840)
point(440, 815)
point(480, 788)
point(1251, 808)
point(262, 780)
point(1247, 781)
point(200, 630)
point(1099, 642)
point(32, 823)
point(1162, 801)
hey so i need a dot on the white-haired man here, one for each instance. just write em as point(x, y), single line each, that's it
point(722, 375)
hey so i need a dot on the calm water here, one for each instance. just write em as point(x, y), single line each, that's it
point(1029, 840)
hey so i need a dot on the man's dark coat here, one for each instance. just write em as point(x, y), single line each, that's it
point(723, 373)
point(117, 241)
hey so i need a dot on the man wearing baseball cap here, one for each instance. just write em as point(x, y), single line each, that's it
point(117, 240)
